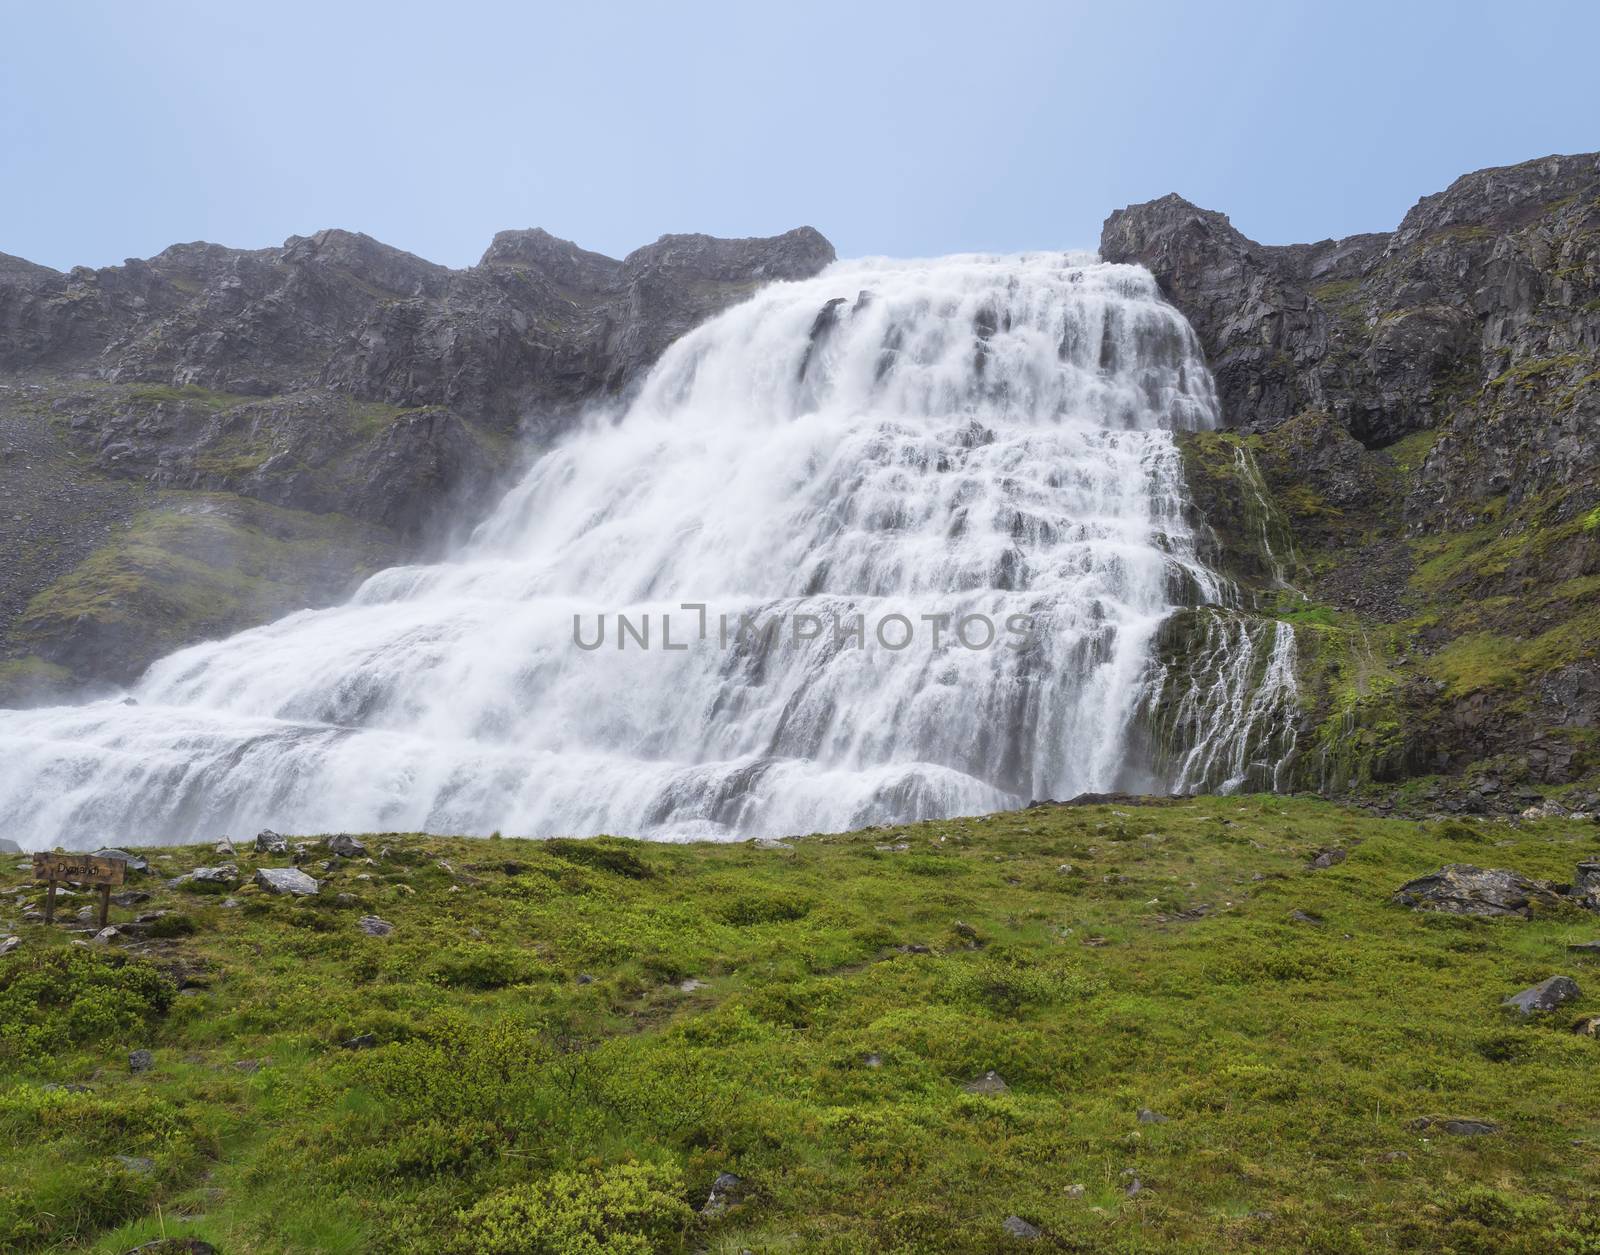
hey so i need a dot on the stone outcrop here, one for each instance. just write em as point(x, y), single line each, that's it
point(334, 377)
point(1411, 463)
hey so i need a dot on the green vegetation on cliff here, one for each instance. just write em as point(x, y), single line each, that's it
point(1200, 1043)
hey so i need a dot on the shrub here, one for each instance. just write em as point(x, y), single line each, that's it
point(172, 924)
point(629, 1209)
point(1009, 983)
point(75, 997)
point(601, 856)
point(744, 907)
point(475, 966)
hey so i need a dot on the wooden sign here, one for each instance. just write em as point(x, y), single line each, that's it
point(81, 869)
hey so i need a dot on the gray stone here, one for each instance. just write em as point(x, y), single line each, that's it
point(363, 1041)
point(374, 926)
point(990, 1082)
point(269, 842)
point(135, 863)
point(728, 1190)
point(1462, 889)
point(8, 945)
point(1591, 948)
point(1544, 997)
point(1586, 884)
point(224, 876)
point(136, 1164)
point(1017, 1227)
point(1146, 1116)
point(345, 846)
point(1075, 1190)
point(106, 936)
point(290, 880)
point(1457, 1126)
point(140, 1061)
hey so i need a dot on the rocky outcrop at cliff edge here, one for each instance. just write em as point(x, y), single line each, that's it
point(1412, 426)
point(1479, 317)
point(359, 394)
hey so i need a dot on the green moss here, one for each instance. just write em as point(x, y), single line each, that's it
point(823, 1056)
point(203, 564)
point(1488, 660)
point(1410, 452)
point(23, 679)
point(1527, 374)
point(188, 394)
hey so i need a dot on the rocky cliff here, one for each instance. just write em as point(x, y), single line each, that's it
point(214, 436)
point(1414, 416)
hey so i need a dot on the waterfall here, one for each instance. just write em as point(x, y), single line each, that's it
point(922, 446)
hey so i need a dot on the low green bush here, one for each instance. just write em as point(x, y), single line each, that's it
point(55, 998)
point(628, 1209)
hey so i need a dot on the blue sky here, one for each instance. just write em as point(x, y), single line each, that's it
point(894, 128)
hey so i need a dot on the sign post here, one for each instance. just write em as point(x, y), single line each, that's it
point(83, 869)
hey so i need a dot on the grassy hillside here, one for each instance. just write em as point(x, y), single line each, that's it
point(561, 1045)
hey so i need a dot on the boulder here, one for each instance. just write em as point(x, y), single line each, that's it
point(140, 1061)
point(8, 945)
point(135, 863)
point(175, 1246)
point(374, 927)
point(269, 842)
point(345, 846)
point(726, 1191)
point(1458, 1126)
point(225, 876)
point(1462, 889)
point(990, 1082)
point(1542, 998)
point(1328, 858)
point(1586, 884)
point(1019, 1228)
point(289, 880)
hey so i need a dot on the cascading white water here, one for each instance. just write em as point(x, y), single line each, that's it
point(971, 435)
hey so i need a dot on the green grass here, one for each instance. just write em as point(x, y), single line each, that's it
point(1101, 959)
point(201, 564)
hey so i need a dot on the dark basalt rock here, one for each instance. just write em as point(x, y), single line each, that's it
point(1471, 333)
point(1461, 889)
point(335, 377)
point(1542, 998)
